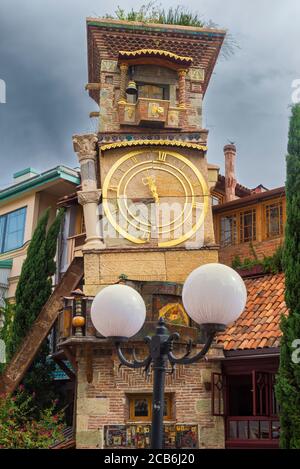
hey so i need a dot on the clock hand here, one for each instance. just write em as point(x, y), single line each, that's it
point(150, 182)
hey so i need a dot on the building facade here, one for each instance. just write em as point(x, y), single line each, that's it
point(149, 210)
point(21, 205)
point(149, 153)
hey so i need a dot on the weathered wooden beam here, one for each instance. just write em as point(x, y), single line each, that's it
point(94, 114)
point(92, 86)
point(64, 368)
point(71, 357)
point(21, 361)
point(89, 363)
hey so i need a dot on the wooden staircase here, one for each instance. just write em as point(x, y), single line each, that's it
point(21, 361)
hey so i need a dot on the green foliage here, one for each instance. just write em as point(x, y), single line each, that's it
point(19, 430)
point(153, 12)
point(288, 378)
point(274, 264)
point(33, 290)
point(7, 313)
point(271, 264)
point(236, 262)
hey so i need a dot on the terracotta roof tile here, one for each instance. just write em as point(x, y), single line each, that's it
point(259, 325)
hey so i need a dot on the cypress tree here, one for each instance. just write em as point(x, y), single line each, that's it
point(33, 290)
point(288, 379)
point(33, 287)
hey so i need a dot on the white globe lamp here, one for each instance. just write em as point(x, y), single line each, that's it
point(214, 294)
point(118, 311)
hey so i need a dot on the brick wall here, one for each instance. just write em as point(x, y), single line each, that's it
point(105, 401)
point(262, 248)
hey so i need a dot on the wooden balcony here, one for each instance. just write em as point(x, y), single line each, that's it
point(74, 246)
point(252, 432)
point(154, 112)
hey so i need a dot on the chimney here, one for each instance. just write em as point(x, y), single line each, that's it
point(230, 180)
point(25, 174)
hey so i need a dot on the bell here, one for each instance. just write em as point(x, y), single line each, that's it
point(131, 88)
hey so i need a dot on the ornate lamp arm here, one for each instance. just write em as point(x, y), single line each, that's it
point(132, 364)
point(186, 359)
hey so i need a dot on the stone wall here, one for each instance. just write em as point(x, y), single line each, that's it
point(105, 400)
point(170, 265)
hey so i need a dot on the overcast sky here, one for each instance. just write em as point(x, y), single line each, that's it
point(43, 62)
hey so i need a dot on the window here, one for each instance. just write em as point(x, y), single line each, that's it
point(274, 223)
point(250, 407)
point(12, 226)
point(228, 230)
point(153, 91)
point(248, 226)
point(216, 199)
point(140, 407)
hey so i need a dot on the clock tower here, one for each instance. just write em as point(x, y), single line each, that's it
point(145, 178)
point(146, 199)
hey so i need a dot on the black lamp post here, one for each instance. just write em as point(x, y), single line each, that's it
point(213, 295)
point(160, 348)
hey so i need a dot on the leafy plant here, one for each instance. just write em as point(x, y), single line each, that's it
point(33, 290)
point(7, 313)
point(288, 378)
point(236, 262)
point(153, 12)
point(19, 430)
point(274, 264)
point(271, 264)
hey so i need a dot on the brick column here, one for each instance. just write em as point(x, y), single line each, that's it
point(230, 180)
point(182, 94)
point(89, 196)
point(123, 83)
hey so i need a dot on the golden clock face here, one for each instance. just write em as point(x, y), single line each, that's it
point(155, 196)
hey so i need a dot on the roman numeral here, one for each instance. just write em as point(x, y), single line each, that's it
point(113, 188)
point(197, 205)
point(134, 159)
point(162, 155)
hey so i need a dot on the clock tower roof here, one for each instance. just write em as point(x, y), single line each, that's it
point(106, 39)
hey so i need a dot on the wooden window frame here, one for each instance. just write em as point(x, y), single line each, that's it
point(216, 195)
point(165, 88)
point(218, 394)
point(148, 397)
point(264, 412)
point(238, 214)
point(241, 234)
point(236, 236)
point(269, 203)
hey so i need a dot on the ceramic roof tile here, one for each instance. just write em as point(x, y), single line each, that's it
point(259, 325)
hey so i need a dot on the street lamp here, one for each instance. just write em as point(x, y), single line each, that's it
point(213, 295)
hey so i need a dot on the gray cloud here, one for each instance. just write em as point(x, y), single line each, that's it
point(43, 62)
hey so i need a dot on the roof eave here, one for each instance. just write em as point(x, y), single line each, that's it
point(249, 199)
point(60, 172)
point(114, 23)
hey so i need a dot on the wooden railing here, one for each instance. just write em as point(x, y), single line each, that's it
point(146, 111)
point(252, 431)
